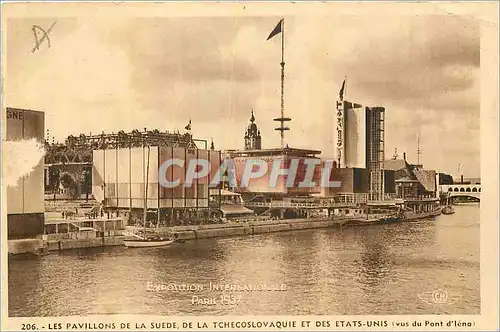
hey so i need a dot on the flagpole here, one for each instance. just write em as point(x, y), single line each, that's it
point(282, 81)
point(280, 28)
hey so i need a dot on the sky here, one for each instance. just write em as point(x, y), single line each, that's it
point(110, 74)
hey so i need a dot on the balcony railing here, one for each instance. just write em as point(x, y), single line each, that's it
point(340, 200)
point(420, 198)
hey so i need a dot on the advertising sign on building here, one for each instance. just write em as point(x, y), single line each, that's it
point(340, 133)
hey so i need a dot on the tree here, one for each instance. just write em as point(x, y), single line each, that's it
point(69, 183)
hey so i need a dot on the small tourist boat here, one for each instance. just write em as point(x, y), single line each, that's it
point(147, 242)
point(448, 209)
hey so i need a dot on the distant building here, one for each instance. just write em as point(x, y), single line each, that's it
point(25, 201)
point(473, 180)
point(253, 140)
point(352, 180)
point(375, 150)
point(410, 181)
point(420, 182)
point(127, 179)
point(398, 166)
point(278, 156)
point(445, 178)
point(68, 166)
point(360, 142)
point(467, 180)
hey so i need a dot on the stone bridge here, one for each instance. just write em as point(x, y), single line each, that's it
point(456, 190)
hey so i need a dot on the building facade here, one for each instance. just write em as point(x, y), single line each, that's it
point(68, 165)
point(25, 200)
point(274, 159)
point(132, 179)
point(360, 142)
point(375, 150)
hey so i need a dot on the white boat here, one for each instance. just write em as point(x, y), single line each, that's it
point(147, 241)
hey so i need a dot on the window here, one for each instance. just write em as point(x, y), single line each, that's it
point(178, 191)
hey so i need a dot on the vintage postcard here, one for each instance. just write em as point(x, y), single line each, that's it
point(249, 166)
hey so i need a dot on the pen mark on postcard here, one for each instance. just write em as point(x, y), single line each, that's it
point(45, 36)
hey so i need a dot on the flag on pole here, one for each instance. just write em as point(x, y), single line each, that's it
point(341, 92)
point(276, 30)
point(188, 127)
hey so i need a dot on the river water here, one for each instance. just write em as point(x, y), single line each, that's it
point(379, 269)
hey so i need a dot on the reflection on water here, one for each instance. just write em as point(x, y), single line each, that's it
point(378, 269)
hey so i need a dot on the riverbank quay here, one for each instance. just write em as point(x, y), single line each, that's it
point(76, 240)
point(195, 232)
point(379, 218)
point(59, 242)
point(43, 246)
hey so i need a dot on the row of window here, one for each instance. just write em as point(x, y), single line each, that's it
point(474, 190)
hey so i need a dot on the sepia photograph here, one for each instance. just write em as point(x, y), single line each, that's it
point(246, 162)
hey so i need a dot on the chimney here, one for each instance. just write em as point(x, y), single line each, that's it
point(404, 156)
point(461, 179)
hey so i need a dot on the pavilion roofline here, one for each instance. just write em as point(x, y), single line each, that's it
point(274, 152)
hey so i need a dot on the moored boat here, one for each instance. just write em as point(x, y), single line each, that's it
point(389, 219)
point(148, 242)
point(448, 209)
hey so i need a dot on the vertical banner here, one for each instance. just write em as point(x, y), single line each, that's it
point(340, 134)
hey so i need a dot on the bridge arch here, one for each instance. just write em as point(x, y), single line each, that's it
point(461, 190)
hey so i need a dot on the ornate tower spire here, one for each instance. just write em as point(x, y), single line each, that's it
point(252, 135)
